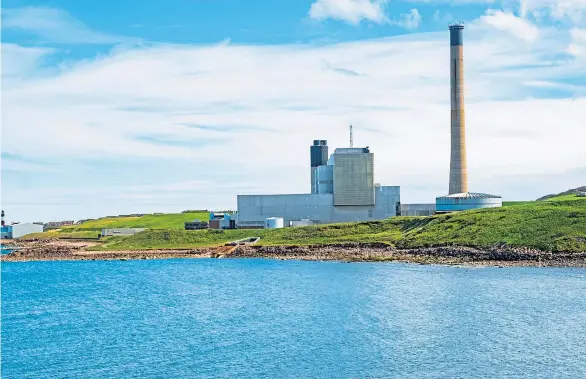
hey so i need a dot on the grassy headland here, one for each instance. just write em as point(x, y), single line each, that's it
point(558, 224)
point(90, 229)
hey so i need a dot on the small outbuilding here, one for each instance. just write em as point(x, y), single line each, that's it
point(274, 223)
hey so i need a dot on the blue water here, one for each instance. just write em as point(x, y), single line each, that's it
point(288, 319)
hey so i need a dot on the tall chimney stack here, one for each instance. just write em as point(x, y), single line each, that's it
point(458, 168)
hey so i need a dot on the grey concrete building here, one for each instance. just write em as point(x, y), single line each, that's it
point(343, 190)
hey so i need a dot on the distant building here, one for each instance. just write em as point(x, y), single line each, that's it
point(121, 231)
point(418, 209)
point(221, 221)
point(20, 230)
point(57, 224)
point(195, 225)
point(581, 194)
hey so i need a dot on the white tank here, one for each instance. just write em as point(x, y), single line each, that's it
point(274, 223)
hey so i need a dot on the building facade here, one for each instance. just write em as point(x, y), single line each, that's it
point(317, 208)
point(353, 176)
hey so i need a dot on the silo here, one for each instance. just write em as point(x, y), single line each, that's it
point(319, 157)
point(274, 223)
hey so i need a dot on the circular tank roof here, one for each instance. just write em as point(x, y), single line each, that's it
point(469, 195)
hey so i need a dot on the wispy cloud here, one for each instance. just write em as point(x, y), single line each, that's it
point(18, 60)
point(577, 46)
point(56, 26)
point(572, 11)
point(409, 20)
point(350, 11)
point(507, 21)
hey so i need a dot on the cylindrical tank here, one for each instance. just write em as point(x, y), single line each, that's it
point(467, 201)
point(274, 223)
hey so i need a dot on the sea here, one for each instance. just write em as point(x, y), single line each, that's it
point(257, 318)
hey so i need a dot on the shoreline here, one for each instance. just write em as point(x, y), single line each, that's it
point(59, 250)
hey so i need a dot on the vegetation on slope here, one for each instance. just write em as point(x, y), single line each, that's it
point(549, 225)
point(162, 221)
point(572, 192)
point(63, 234)
point(91, 229)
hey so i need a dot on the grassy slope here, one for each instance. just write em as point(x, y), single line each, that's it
point(91, 229)
point(164, 221)
point(554, 225)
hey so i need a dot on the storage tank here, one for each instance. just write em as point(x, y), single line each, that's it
point(274, 223)
point(466, 201)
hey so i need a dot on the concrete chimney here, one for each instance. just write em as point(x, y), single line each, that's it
point(458, 168)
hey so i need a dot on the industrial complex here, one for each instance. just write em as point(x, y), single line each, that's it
point(343, 188)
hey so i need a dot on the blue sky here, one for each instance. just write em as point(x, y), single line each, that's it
point(117, 107)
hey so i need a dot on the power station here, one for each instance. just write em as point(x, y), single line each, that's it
point(458, 198)
point(342, 186)
point(342, 190)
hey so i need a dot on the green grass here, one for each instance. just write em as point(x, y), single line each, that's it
point(515, 203)
point(86, 234)
point(547, 225)
point(91, 229)
point(164, 221)
point(570, 197)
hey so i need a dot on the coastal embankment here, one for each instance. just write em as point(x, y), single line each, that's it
point(53, 250)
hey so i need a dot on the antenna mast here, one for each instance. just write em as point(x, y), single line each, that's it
point(351, 137)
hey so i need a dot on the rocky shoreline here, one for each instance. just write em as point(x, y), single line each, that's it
point(52, 250)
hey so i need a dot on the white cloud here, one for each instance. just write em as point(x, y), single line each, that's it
point(351, 11)
point(55, 26)
point(257, 108)
point(506, 21)
point(578, 45)
point(409, 20)
point(18, 60)
point(573, 11)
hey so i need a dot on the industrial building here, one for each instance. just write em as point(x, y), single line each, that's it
point(458, 198)
point(196, 225)
point(17, 229)
point(342, 190)
point(221, 220)
point(121, 231)
point(418, 209)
